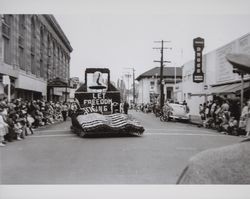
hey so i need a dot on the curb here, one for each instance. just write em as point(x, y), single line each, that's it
point(45, 126)
point(195, 123)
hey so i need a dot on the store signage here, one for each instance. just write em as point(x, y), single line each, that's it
point(57, 82)
point(198, 75)
point(6, 79)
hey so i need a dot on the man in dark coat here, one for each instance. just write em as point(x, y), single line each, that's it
point(125, 107)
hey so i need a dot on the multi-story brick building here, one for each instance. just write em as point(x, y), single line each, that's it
point(33, 51)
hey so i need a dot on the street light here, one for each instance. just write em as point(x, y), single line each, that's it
point(128, 75)
point(133, 83)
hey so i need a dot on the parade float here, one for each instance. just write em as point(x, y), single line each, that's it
point(99, 107)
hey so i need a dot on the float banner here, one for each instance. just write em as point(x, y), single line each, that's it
point(104, 102)
point(198, 75)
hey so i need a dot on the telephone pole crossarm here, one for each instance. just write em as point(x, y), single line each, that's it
point(162, 48)
point(163, 61)
point(161, 41)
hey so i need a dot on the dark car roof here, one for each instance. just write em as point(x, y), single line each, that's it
point(224, 165)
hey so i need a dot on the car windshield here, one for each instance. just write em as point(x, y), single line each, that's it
point(178, 109)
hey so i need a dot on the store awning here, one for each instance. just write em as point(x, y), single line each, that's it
point(223, 89)
point(240, 61)
point(199, 94)
point(57, 83)
point(229, 89)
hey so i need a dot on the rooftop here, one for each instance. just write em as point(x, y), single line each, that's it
point(52, 20)
point(167, 72)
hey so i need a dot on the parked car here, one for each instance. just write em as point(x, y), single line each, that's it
point(179, 112)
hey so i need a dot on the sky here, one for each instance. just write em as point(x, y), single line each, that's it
point(120, 34)
point(126, 41)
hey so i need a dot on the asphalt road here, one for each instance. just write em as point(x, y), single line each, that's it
point(54, 155)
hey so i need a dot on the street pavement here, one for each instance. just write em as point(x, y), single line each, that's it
point(54, 155)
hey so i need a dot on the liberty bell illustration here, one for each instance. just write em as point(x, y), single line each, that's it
point(98, 81)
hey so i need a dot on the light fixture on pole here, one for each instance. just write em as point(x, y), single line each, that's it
point(133, 83)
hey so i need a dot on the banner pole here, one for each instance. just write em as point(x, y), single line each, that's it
point(9, 93)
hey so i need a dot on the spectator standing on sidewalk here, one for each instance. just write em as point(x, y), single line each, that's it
point(202, 112)
point(125, 107)
point(3, 127)
point(225, 108)
point(72, 108)
point(166, 109)
point(186, 106)
point(64, 111)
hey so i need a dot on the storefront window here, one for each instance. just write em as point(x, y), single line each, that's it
point(6, 32)
point(21, 42)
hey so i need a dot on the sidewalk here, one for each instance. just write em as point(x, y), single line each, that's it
point(57, 125)
point(195, 119)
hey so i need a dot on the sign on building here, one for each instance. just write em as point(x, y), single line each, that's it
point(198, 75)
point(98, 95)
point(6, 79)
point(101, 102)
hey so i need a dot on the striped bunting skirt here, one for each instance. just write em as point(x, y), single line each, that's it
point(114, 122)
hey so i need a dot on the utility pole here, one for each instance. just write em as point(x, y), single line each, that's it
point(161, 70)
point(242, 91)
point(133, 86)
point(133, 83)
point(241, 74)
point(128, 87)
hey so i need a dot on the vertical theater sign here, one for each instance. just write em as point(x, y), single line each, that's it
point(198, 75)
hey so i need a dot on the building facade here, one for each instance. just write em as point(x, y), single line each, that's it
point(121, 86)
point(149, 84)
point(33, 51)
point(219, 79)
point(74, 85)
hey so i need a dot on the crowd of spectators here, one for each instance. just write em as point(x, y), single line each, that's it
point(148, 107)
point(222, 114)
point(155, 107)
point(19, 118)
point(225, 115)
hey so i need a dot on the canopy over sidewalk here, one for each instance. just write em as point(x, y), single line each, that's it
point(58, 83)
point(229, 89)
point(240, 61)
point(233, 88)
